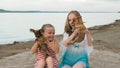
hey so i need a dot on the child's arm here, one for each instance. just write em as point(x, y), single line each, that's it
point(89, 38)
point(34, 48)
point(56, 47)
point(67, 41)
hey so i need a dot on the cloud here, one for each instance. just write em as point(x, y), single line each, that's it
point(82, 5)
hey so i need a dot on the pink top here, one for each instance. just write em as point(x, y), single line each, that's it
point(53, 55)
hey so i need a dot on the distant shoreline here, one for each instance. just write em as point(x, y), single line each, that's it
point(45, 11)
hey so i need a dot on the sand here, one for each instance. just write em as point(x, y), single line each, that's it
point(106, 53)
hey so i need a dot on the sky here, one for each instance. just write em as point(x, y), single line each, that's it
point(61, 5)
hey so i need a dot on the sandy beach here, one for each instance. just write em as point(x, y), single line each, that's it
point(106, 53)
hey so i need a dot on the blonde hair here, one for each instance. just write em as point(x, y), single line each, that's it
point(68, 28)
point(45, 26)
point(39, 33)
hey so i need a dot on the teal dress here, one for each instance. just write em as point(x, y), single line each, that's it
point(72, 54)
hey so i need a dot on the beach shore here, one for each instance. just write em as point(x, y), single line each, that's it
point(106, 53)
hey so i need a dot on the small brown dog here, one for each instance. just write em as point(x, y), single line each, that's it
point(42, 45)
point(80, 36)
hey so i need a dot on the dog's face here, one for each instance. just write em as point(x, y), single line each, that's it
point(39, 36)
point(42, 40)
point(37, 33)
point(79, 23)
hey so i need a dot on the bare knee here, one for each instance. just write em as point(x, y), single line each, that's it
point(41, 62)
point(66, 66)
point(50, 63)
point(78, 65)
point(49, 59)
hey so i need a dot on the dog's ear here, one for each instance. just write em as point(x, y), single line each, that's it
point(41, 31)
point(32, 30)
point(37, 33)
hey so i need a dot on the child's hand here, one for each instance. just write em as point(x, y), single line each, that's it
point(51, 41)
point(86, 31)
point(78, 28)
point(76, 31)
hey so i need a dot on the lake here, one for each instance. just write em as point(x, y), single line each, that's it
point(15, 26)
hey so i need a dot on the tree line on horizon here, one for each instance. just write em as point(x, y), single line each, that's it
point(38, 11)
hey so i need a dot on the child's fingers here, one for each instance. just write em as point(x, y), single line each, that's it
point(86, 31)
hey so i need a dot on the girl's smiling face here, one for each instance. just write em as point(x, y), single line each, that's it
point(49, 33)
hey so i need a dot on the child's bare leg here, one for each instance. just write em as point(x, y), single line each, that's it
point(66, 66)
point(78, 65)
point(41, 63)
point(49, 61)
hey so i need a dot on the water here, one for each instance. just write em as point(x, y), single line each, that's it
point(15, 26)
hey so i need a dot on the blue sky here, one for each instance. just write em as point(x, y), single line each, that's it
point(81, 5)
